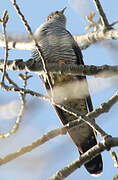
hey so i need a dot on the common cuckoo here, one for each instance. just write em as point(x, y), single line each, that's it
point(58, 46)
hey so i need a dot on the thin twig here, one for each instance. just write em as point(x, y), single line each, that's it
point(102, 14)
point(104, 107)
point(4, 21)
point(26, 91)
point(81, 117)
point(15, 127)
point(21, 112)
point(92, 23)
point(114, 23)
point(17, 122)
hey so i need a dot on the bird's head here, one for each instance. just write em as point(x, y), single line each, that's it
point(57, 16)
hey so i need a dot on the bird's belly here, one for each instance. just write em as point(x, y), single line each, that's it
point(64, 90)
point(82, 131)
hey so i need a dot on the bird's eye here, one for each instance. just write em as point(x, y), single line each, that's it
point(50, 17)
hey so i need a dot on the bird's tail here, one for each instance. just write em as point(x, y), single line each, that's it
point(94, 166)
point(82, 135)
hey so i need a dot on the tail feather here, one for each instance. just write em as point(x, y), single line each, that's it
point(95, 166)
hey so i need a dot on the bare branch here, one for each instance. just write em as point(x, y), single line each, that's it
point(92, 23)
point(115, 158)
point(17, 122)
point(104, 71)
point(105, 107)
point(21, 112)
point(81, 117)
point(71, 69)
point(83, 40)
point(102, 14)
point(105, 144)
point(46, 137)
point(26, 91)
point(18, 45)
point(114, 23)
point(4, 21)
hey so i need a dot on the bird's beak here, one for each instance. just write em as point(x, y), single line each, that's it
point(62, 11)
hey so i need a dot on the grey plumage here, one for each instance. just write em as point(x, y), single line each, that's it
point(58, 45)
point(56, 39)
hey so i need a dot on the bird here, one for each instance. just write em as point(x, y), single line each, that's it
point(58, 46)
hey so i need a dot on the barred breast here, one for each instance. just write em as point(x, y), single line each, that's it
point(56, 44)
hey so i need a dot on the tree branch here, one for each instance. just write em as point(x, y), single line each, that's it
point(104, 71)
point(26, 91)
point(4, 21)
point(81, 117)
point(105, 144)
point(105, 107)
point(102, 14)
point(83, 40)
point(46, 137)
point(21, 111)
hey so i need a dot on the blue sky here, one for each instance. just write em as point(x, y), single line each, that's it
point(40, 116)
